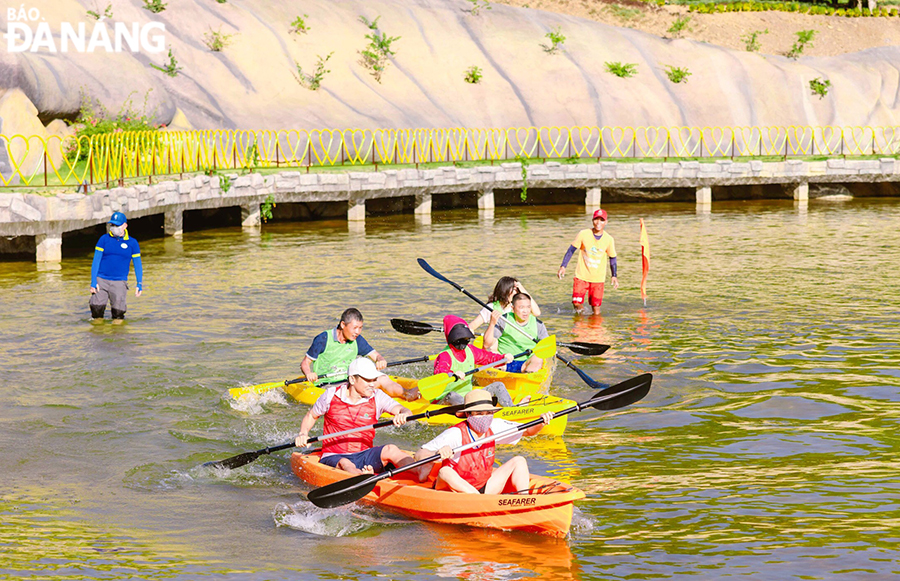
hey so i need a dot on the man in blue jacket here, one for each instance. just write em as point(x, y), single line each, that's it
point(109, 272)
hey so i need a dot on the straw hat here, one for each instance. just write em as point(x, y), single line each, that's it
point(478, 400)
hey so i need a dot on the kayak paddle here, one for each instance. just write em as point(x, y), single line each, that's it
point(580, 347)
point(416, 328)
point(354, 488)
point(433, 386)
point(247, 457)
point(237, 392)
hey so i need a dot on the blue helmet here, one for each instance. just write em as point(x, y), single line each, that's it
point(117, 219)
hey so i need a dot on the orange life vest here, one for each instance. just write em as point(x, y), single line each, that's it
point(475, 465)
point(343, 416)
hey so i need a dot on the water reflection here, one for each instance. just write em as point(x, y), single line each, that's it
point(767, 446)
point(485, 555)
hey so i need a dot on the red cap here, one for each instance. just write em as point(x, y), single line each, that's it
point(600, 214)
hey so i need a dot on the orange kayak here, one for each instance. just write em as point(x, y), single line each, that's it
point(546, 510)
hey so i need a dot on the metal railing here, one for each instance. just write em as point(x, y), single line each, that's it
point(114, 157)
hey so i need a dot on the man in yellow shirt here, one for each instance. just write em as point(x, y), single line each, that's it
point(590, 274)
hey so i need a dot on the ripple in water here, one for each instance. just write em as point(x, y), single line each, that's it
point(254, 404)
point(336, 522)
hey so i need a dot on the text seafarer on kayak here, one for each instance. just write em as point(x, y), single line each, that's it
point(332, 352)
point(113, 255)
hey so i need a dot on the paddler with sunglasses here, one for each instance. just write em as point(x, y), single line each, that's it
point(472, 471)
point(460, 357)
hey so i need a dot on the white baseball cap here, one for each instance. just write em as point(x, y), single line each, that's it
point(364, 367)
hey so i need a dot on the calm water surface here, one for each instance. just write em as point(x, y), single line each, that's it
point(767, 449)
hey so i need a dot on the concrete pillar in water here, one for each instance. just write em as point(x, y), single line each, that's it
point(48, 247)
point(250, 217)
point(486, 200)
point(356, 211)
point(592, 198)
point(704, 196)
point(174, 222)
point(801, 192)
point(423, 204)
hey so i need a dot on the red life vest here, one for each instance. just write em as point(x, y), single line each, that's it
point(475, 464)
point(343, 416)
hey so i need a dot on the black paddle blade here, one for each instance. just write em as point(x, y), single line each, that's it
point(622, 394)
point(234, 461)
point(412, 327)
point(343, 491)
point(583, 348)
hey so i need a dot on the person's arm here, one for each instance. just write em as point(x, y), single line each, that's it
point(490, 340)
point(569, 253)
point(535, 309)
point(533, 430)
point(442, 363)
point(309, 420)
point(138, 267)
point(391, 387)
point(95, 267)
point(315, 349)
point(613, 264)
point(542, 331)
point(476, 323)
point(483, 356)
point(306, 368)
point(363, 349)
point(400, 414)
point(380, 362)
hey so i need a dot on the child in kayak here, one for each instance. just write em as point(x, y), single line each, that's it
point(511, 340)
point(472, 471)
point(353, 404)
point(501, 300)
point(460, 357)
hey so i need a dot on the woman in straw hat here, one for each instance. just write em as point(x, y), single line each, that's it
point(472, 471)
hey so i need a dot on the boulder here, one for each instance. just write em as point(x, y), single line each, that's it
point(253, 82)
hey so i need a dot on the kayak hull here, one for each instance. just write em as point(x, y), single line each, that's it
point(517, 384)
point(547, 510)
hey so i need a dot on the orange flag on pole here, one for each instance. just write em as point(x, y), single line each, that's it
point(645, 261)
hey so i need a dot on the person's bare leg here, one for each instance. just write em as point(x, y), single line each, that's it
point(424, 470)
point(596, 310)
point(395, 456)
point(456, 482)
point(534, 364)
point(348, 466)
point(515, 470)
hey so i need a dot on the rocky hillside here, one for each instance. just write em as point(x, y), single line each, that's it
point(253, 82)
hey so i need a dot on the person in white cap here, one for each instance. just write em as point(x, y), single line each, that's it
point(353, 404)
point(590, 274)
point(472, 471)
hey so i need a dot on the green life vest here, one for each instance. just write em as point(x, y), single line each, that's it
point(336, 357)
point(465, 386)
point(513, 341)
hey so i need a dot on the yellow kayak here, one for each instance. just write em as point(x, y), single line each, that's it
point(307, 393)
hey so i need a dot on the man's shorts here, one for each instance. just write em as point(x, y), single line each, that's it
point(112, 291)
point(370, 457)
point(515, 366)
point(594, 290)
